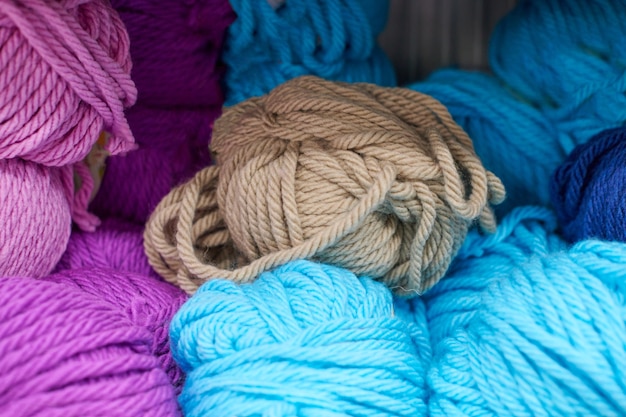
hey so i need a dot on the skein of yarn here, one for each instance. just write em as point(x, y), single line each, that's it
point(513, 139)
point(272, 41)
point(36, 217)
point(572, 67)
point(69, 352)
point(144, 301)
point(304, 339)
point(524, 233)
point(115, 245)
point(173, 146)
point(547, 340)
point(588, 189)
point(378, 180)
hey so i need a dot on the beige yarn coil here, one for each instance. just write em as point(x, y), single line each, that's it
point(377, 180)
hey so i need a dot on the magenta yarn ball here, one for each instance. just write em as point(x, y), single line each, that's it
point(35, 217)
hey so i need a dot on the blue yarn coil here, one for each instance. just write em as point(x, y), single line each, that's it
point(305, 339)
point(513, 139)
point(547, 339)
point(568, 58)
point(589, 189)
point(333, 39)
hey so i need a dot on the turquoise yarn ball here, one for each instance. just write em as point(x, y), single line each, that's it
point(514, 140)
point(568, 58)
point(547, 339)
point(273, 41)
point(306, 339)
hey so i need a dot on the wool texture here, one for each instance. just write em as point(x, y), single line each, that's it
point(304, 339)
point(514, 140)
point(589, 189)
point(67, 351)
point(378, 180)
point(547, 340)
point(116, 244)
point(273, 41)
point(572, 67)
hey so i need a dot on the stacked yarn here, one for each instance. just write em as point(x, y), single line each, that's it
point(588, 189)
point(304, 339)
point(89, 342)
point(175, 46)
point(547, 339)
point(378, 180)
point(272, 41)
point(66, 79)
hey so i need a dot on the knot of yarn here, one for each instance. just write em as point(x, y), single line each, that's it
point(271, 42)
point(378, 180)
point(67, 351)
point(548, 339)
point(588, 189)
point(304, 339)
point(571, 67)
point(65, 77)
point(513, 139)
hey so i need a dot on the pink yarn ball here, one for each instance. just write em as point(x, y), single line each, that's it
point(35, 217)
point(65, 77)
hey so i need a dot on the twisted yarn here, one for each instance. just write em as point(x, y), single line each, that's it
point(36, 217)
point(588, 189)
point(145, 302)
point(273, 41)
point(548, 340)
point(65, 78)
point(115, 245)
point(513, 139)
point(573, 66)
point(305, 339)
point(377, 180)
point(67, 352)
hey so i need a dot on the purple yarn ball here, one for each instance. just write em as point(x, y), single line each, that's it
point(173, 145)
point(589, 189)
point(116, 245)
point(175, 46)
point(85, 343)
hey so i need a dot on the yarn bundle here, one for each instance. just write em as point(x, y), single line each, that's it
point(66, 79)
point(175, 47)
point(87, 342)
point(273, 41)
point(380, 181)
point(249, 354)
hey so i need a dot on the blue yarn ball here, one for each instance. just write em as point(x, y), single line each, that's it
point(567, 57)
point(306, 339)
point(333, 39)
point(483, 259)
point(589, 189)
point(513, 139)
point(549, 340)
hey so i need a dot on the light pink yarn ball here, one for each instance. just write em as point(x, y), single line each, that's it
point(35, 217)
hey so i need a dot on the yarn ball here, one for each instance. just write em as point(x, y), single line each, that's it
point(588, 190)
point(115, 245)
point(272, 41)
point(563, 57)
point(35, 215)
point(305, 339)
point(68, 352)
point(176, 48)
point(143, 301)
point(512, 138)
point(549, 339)
point(173, 146)
point(378, 180)
point(65, 77)
point(524, 233)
